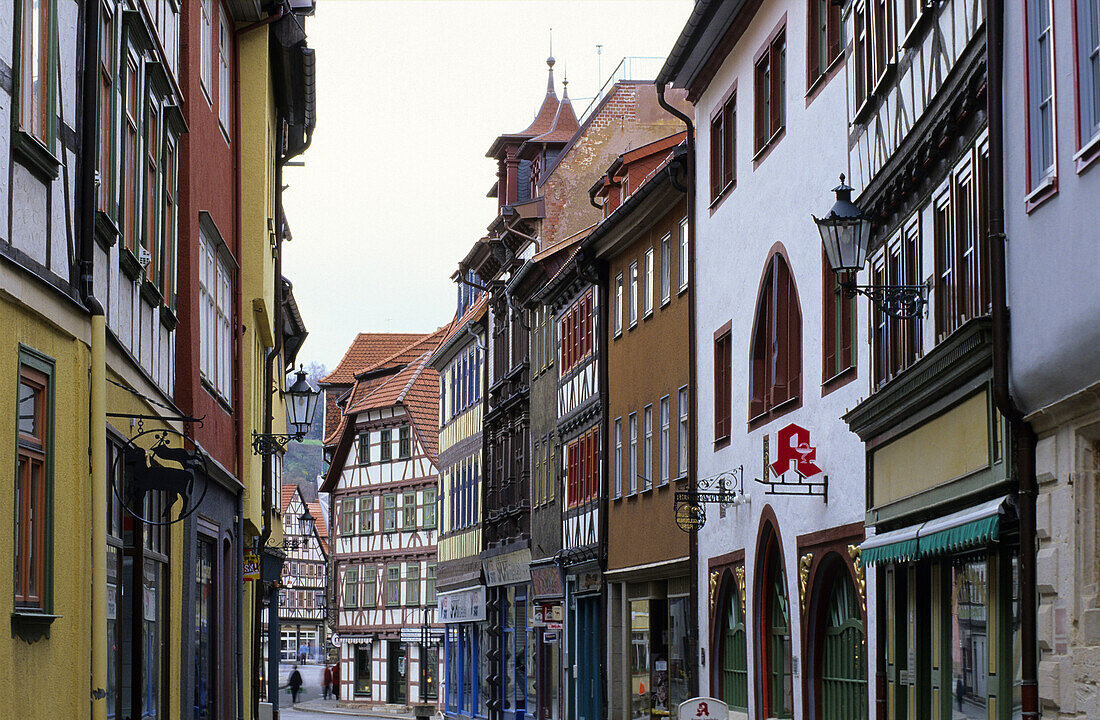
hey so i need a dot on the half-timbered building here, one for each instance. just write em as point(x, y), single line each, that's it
point(302, 633)
point(383, 482)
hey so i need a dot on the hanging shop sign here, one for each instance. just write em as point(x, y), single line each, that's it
point(703, 708)
point(462, 606)
point(251, 566)
point(795, 470)
point(546, 581)
point(546, 615)
point(725, 489)
point(173, 465)
point(507, 569)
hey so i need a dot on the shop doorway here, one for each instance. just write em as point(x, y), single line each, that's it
point(397, 664)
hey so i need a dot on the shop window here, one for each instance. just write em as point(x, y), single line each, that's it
point(842, 666)
point(776, 377)
point(362, 671)
point(206, 643)
point(970, 641)
point(734, 661)
point(775, 652)
point(770, 89)
point(640, 684)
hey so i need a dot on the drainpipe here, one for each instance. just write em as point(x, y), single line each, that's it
point(1022, 432)
point(693, 431)
point(97, 392)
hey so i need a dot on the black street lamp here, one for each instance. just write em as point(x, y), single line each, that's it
point(307, 524)
point(301, 405)
point(846, 236)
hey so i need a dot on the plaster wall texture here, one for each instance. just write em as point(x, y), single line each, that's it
point(771, 204)
point(1054, 251)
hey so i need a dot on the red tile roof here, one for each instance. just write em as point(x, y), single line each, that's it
point(367, 350)
point(319, 518)
point(288, 494)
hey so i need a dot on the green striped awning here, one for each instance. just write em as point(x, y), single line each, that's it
point(974, 526)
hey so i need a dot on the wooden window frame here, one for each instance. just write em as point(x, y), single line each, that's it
point(723, 146)
point(896, 343)
point(34, 458)
point(647, 448)
point(363, 448)
point(775, 378)
point(666, 269)
point(665, 446)
point(769, 85)
point(412, 584)
point(365, 512)
point(351, 587)
point(225, 96)
point(618, 327)
point(393, 585)
point(389, 513)
point(408, 508)
point(34, 122)
point(347, 517)
point(106, 201)
point(617, 470)
point(206, 43)
point(838, 331)
point(385, 445)
point(682, 254)
point(824, 41)
point(368, 592)
point(683, 439)
point(723, 384)
point(632, 459)
point(632, 295)
point(404, 442)
point(429, 499)
point(648, 286)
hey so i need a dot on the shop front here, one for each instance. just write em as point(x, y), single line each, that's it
point(657, 615)
point(547, 625)
point(584, 642)
point(463, 614)
point(511, 680)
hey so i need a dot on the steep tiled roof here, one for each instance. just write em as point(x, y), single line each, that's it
point(288, 494)
point(322, 529)
point(458, 325)
point(367, 350)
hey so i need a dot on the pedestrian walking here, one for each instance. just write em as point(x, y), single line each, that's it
point(327, 679)
point(295, 683)
point(336, 680)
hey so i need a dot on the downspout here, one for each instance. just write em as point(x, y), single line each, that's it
point(1024, 446)
point(243, 452)
point(97, 391)
point(477, 338)
point(693, 432)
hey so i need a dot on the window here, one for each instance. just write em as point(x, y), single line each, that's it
point(647, 284)
point(215, 311)
point(131, 177)
point(37, 73)
point(206, 30)
point(632, 460)
point(351, 587)
point(838, 325)
point(404, 442)
point(363, 446)
point(647, 448)
point(385, 451)
point(576, 333)
point(369, 597)
point(347, 516)
point(824, 38)
point(430, 507)
point(618, 470)
point(682, 261)
point(536, 475)
point(663, 451)
point(408, 507)
point(776, 375)
point(105, 166)
point(618, 304)
point(582, 468)
point(389, 513)
point(895, 343)
point(366, 514)
point(666, 268)
point(1040, 91)
point(682, 435)
point(393, 585)
point(412, 584)
point(206, 641)
point(776, 631)
point(224, 95)
point(723, 147)
point(723, 384)
point(735, 676)
point(429, 585)
point(842, 683)
point(33, 473)
point(166, 258)
point(770, 90)
point(632, 311)
point(1088, 69)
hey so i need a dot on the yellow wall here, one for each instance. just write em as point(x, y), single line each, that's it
point(948, 447)
point(50, 678)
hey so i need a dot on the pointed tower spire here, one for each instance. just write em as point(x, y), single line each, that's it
point(550, 63)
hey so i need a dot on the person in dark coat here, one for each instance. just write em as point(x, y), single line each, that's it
point(336, 680)
point(295, 683)
point(327, 679)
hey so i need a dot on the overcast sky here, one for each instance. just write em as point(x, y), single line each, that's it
point(410, 96)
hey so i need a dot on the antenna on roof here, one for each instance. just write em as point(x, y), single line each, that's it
point(599, 72)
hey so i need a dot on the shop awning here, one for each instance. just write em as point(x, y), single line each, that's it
point(964, 529)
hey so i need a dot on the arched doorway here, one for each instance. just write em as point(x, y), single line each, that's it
point(733, 664)
point(840, 651)
point(773, 613)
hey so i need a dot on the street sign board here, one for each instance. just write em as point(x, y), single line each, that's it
point(703, 708)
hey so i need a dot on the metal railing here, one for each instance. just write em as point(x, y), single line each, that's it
point(629, 68)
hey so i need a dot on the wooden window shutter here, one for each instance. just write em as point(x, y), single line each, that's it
point(833, 31)
point(781, 360)
point(715, 156)
point(829, 301)
point(761, 91)
point(728, 139)
point(847, 331)
point(777, 64)
point(760, 354)
point(813, 50)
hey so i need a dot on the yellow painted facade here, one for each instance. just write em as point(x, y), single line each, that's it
point(31, 674)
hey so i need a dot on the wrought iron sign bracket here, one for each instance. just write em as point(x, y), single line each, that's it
point(905, 302)
point(727, 488)
point(186, 419)
point(801, 486)
point(271, 443)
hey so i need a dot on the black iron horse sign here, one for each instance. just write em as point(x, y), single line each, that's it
point(173, 465)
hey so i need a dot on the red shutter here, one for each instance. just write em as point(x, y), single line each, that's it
point(833, 32)
point(760, 94)
point(829, 302)
point(728, 131)
point(715, 156)
point(812, 50)
point(778, 62)
point(781, 380)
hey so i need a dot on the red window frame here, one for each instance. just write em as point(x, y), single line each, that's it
point(582, 468)
point(838, 317)
point(723, 383)
point(816, 64)
point(776, 372)
point(769, 88)
point(31, 513)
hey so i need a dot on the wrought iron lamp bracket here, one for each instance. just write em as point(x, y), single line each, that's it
point(271, 443)
point(905, 302)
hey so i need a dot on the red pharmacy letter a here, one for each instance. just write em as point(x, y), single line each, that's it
point(702, 710)
point(794, 449)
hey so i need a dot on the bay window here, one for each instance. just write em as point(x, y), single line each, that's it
point(215, 312)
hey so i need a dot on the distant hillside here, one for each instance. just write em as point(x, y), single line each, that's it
point(302, 461)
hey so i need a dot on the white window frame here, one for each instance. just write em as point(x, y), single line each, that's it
point(647, 284)
point(215, 326)
point(666, 268)
point(206, 42)
point(682, 448)
point(647, 450)
point(665, 430)
point(618, 304)
point(1088, 69)
point(632, 461)
point(225, 36)
point(1041, 101)
point(618, 457)
point(683, 259)
point(632, 314)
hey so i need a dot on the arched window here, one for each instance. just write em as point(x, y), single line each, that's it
point(776, 373)
point(775, 630)
point(735, 675)
point(841, 664)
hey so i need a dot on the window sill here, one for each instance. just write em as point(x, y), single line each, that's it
point(1045, 190)
point(665, 301)
point(633, 324)
point(129, 263)
point(722, 195)
point(915, 33)
point(775, 412)
point(839, 380)
point(32, 153)
point(767, 148)
point(106, 231)
point(682, 290)
point(721, 442)
point(30, 626)
point(1087, 155)
point(823, 79)
point(206, 384)
point(151, 294)
point(168, 318)
point(648, 314)
point(864, 111)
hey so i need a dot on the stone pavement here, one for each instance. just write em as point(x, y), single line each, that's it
point(331, 707)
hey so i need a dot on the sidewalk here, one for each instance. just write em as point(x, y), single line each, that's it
point(340, 708)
